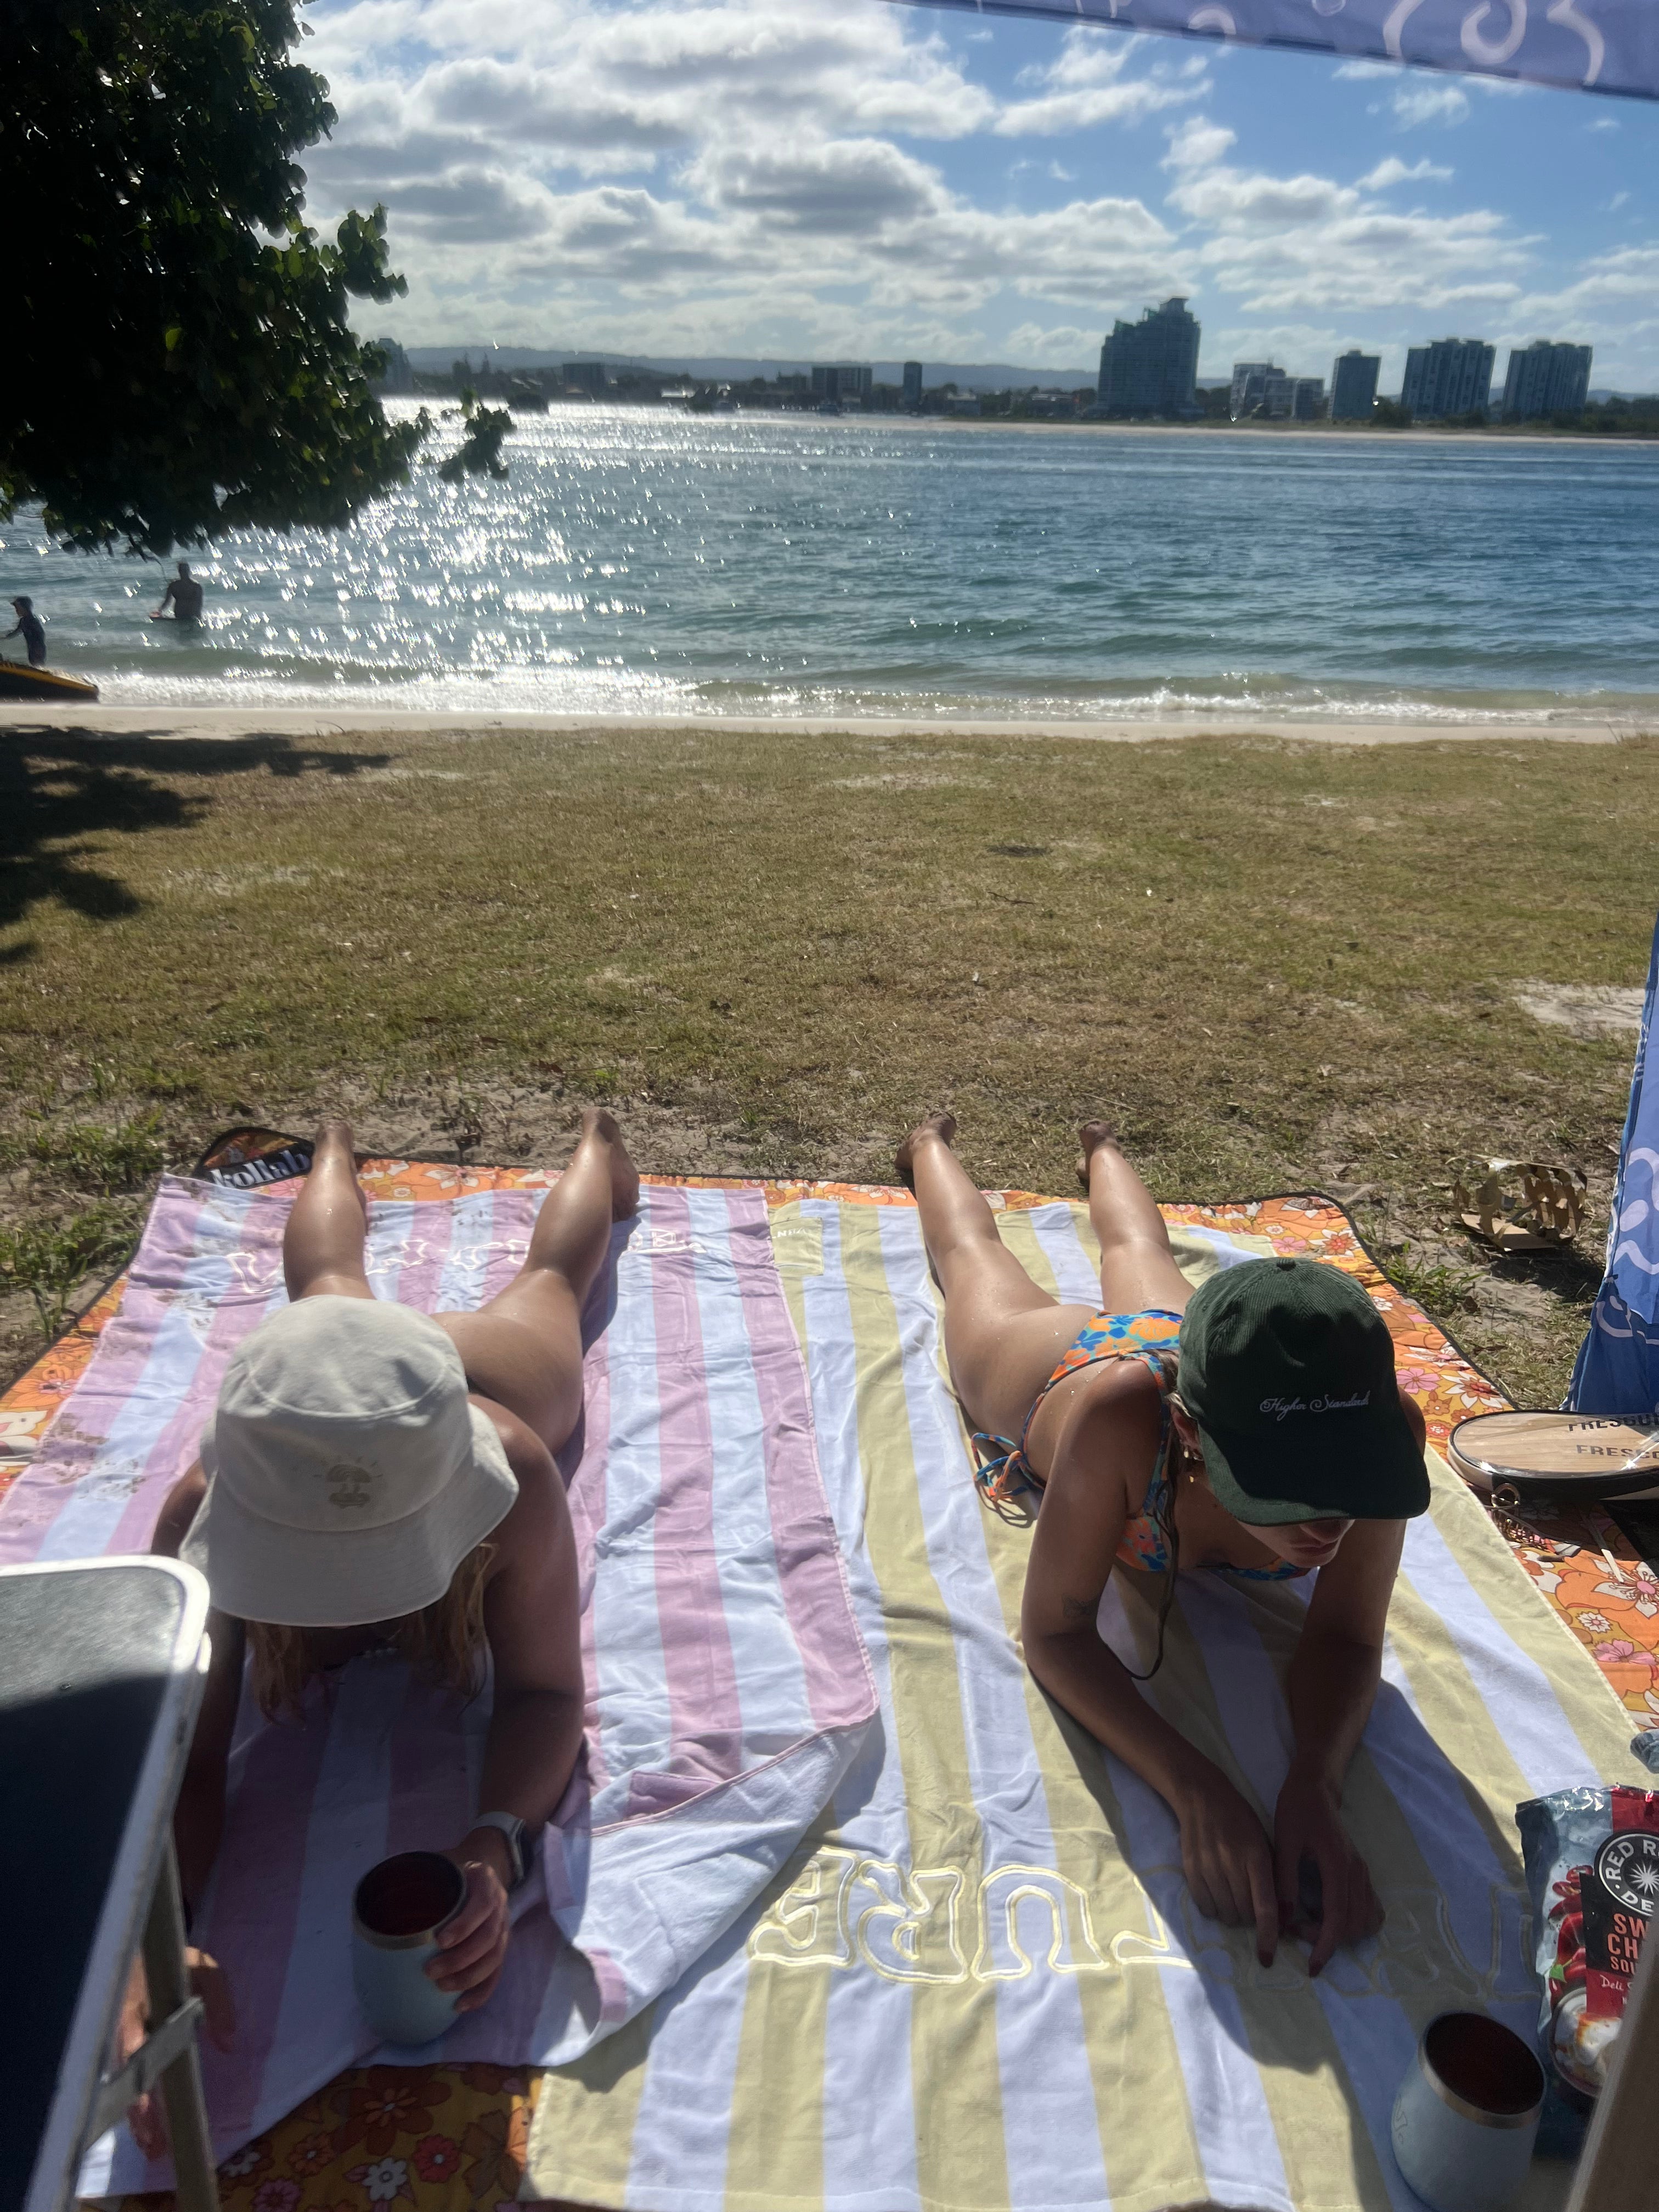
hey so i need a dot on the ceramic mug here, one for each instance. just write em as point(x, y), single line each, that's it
point(1467, 2115)
point(398, 1911)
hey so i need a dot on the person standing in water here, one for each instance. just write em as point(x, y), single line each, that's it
point(28, 627)
point(1254, 1427)
point(183, 595)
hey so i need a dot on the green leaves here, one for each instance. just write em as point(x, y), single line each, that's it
point(480, 450)
point(179, 362)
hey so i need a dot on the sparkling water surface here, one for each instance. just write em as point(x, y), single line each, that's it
point(639, 562)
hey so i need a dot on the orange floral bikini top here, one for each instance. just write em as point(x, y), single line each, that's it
point(1002, 1470)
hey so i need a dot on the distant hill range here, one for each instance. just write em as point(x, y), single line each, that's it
point(970, 376)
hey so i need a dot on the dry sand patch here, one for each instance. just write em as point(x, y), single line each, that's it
point(1587, 1009)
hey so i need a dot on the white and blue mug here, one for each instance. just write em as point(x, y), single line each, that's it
point(1467, 2115)
point(399, 1910)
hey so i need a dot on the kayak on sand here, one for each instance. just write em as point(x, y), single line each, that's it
point(19, 681)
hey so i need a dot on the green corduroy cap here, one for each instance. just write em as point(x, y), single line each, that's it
point(1287, 1368)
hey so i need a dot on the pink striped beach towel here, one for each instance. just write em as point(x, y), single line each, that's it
point(728, 1685)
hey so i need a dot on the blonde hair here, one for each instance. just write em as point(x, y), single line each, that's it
point(444, 1642)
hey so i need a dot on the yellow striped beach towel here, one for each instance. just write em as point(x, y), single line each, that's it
point(981, 1985)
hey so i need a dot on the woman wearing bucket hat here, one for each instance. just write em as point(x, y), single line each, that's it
point(376, 1478)
point(1253, 1425)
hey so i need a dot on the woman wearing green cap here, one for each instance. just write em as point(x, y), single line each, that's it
point(1253, 1425)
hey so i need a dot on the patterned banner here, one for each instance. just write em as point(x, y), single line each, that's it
point(1618, 1369)
point(1598, 46)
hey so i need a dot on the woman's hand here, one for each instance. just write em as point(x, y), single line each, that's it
point(1227, 1865)
point(208, 1981)
point(472, 1948)
point(1308, 1824)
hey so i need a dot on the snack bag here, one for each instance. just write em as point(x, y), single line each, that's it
point(1592, 1862)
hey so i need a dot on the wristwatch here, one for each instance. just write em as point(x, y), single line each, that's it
point(517, 1833)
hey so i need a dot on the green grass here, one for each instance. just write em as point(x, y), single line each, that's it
point(48, 1261)
point(87, 1155)
point(1438, 1286)
point(1274, 965)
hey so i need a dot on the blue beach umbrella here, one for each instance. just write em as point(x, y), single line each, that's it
point(1618, 1367)
point(1594, 45)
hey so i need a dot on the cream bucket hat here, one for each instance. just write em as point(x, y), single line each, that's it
point(348, 1475)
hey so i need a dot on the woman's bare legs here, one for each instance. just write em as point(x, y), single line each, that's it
point(323, 1244)
point(1003, 1336)
point(525, 1348)
point(1137, 1266)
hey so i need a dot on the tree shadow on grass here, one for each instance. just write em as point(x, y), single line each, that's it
point(60, 788)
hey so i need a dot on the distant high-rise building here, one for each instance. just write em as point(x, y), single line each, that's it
point(1278, 396)
point(1308, 402)
point(843, 380)
point(1151, 367)
point(1546, 378)
point(1451, 376)
point(1249, 388)
point(1353, 386)
point(584, 376)
point(911, 394)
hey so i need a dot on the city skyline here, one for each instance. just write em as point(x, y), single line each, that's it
point(1558, 377)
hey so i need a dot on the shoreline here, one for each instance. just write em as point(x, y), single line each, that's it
point(1416, 432)
point(1425, 434)
point(165, 724)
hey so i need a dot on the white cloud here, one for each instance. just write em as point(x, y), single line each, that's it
point(1033, 346)
point(728, 176)
point(1416, 96)
point(714, 168)
point(1198, 144)
point(1415, 104)
point(1391, 170)
point(588, 87)
point(1603, 122)
point(1087, 84)
point(1305, 243)
point(1630, 273)
point(1617, 202)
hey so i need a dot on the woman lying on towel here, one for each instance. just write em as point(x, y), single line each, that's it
point(374, 1478)
point(1253, 1424)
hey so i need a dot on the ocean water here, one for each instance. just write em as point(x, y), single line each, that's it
point(640, 561)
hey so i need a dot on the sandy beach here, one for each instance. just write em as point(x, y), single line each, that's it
point(231, 722)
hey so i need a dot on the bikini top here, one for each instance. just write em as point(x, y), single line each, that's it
point(1002, 1471)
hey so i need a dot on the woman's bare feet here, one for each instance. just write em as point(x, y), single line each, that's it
point(1091, 1136)
point(942, 1125)
point(600, 1127)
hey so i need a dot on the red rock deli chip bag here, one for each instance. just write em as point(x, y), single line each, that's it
point(1592, 1862)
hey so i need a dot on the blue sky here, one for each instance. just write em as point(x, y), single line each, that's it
point(805, 179)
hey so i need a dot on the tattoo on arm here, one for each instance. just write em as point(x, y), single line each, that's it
point(1077, 1609)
